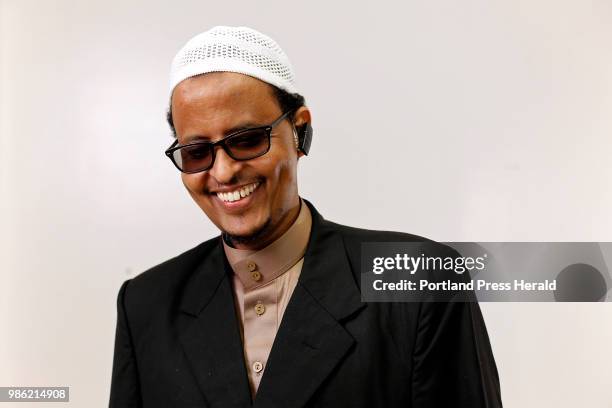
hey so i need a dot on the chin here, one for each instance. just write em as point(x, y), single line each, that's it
point(251, 236)
point(245, 228)
point(240, 232)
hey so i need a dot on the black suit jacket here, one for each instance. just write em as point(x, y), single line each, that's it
point(178, 340)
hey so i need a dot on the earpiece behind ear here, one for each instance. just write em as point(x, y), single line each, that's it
point(304, 137)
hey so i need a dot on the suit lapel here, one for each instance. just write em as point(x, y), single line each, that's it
point(311, 341)
point(210, 334)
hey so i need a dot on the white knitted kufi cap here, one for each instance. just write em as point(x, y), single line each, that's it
point(233, 49)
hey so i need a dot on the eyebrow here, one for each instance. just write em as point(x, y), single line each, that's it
point(202, 138)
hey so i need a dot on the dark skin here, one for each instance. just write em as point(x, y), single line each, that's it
point(209, 107)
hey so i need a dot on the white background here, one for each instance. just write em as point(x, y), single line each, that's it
point(468, 121)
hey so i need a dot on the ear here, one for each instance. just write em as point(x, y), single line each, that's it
point(300, 118)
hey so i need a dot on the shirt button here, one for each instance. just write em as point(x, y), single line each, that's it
point(260, 309)
point(256, 275)
point(251, 266)
point(257, 366)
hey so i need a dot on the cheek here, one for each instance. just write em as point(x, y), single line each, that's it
point(284, 180)
point(284, 163)
point(193, 184)
point(279, 170)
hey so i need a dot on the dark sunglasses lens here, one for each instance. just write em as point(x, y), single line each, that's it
point(192, 159)
point(248, 144)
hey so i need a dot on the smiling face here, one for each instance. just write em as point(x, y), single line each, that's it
point(211, 106)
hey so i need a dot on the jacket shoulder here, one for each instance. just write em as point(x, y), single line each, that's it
point(353, 238)
point(158, 285)
point(168, 270)
point(359, 235)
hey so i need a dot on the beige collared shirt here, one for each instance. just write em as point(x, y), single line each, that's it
point(263, 283)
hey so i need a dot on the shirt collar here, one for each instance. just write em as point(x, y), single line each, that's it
point(257, 268)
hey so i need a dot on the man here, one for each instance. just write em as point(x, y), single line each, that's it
point(270, 314)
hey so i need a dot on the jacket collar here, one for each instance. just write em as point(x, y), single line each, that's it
point(326, 272)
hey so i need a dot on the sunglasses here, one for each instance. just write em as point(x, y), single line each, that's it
point(243, 145)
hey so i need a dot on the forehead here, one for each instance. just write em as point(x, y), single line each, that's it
point(222, 91)
point(211, 105)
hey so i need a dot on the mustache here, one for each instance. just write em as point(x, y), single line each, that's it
point(234, 182)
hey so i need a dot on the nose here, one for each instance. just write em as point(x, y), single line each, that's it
point(224, 168)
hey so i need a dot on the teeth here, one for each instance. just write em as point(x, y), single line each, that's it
point(238, 194)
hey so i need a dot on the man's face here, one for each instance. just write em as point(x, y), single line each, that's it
point(211, 106)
